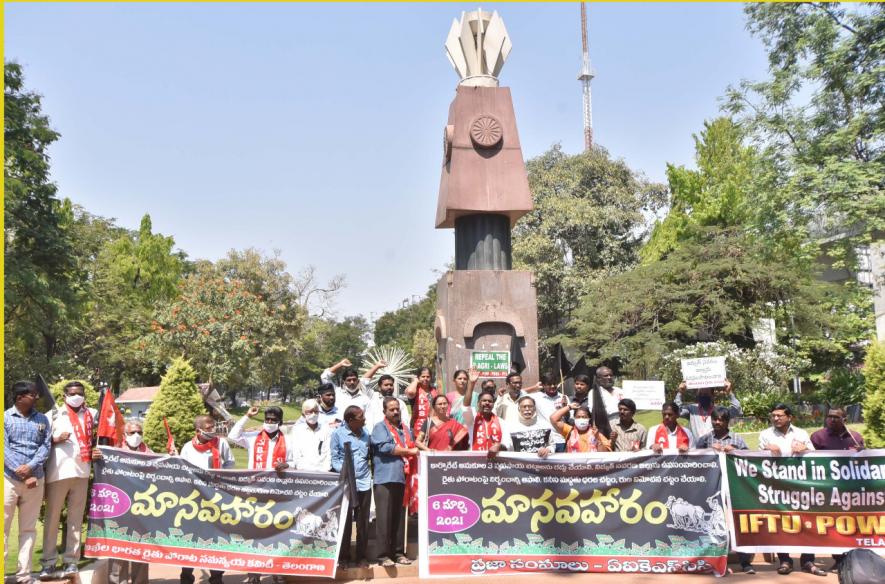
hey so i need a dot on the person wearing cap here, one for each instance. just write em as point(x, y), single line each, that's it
point(26, 443)
point(67, 478)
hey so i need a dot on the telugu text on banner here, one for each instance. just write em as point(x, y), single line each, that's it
point(823, 502)
point(164, 510)
point(623, 513)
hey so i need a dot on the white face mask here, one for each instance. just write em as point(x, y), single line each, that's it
point(582, 423)
point(134, 440)
point(312, 418)
point(75, 401)
point(271, 428)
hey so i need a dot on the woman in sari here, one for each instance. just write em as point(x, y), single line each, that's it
point(580, 435)
point(442, 432)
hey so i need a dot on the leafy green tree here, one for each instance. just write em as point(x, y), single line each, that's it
point(712, 288)
point(58, 392)
point(717, 194)
point(874, 404)
point(588, 221)
point(326, 341)
point(398, 327)
point(42, 294)
point(424, 348)
point(819, 124)
point(178, 402)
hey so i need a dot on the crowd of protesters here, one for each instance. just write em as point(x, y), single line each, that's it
point(49, 458)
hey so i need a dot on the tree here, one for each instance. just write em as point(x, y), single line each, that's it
point(717, 194)
point(424, 348)
point(42, 295)
point(398, 327)
point(588, 220)
point(712, 288)
point(874, 404)
point(178, 402)
point(133, 273)
point(819, 124)
point(326, 341)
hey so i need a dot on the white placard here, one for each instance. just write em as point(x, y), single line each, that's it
point(704, 372)
point(648, 395)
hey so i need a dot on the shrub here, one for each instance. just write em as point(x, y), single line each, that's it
point(58, 392)
point(874, 404)
point(179, 402)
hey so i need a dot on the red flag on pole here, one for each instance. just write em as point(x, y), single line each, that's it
point(170, 440)
point(110, 421)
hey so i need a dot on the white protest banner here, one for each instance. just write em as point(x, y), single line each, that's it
point(648, 395)
point(704, 372)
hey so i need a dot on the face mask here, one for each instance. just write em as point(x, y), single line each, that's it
point(207, 435)
point(312, 418)
point(270, 428)
point(134, 440)
point(75, 401)
point(582, 423)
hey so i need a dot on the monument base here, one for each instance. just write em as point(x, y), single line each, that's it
point(487, 310)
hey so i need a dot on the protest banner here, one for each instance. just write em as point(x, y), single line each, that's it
point(648, 395)
point(820, 502)
point(490, 363)
point(164, 510)
point(621, 513)
point(703, 372)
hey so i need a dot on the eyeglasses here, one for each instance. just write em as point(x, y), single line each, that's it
point(135, 432)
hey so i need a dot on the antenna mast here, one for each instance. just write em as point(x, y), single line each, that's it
point(585, 77)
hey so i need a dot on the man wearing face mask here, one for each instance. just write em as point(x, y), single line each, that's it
point(206, 451)
point(506, 406)
point(67, 478)
point(699, 415)
point(120, 571)
point(375, 413)
point(26, 445)
point(310, 440)
point(354, 391)
point(266, 449)
point(528, 433)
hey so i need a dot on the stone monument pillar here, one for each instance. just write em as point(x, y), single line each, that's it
point(483, 305)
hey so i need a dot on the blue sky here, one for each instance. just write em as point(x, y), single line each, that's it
point(317, 129)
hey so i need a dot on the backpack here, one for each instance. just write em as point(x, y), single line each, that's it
point(862, 566)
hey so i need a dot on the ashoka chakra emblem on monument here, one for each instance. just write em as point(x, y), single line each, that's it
point(486, 131)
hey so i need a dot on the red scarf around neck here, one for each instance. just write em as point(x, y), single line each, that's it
point(410, 468)
point(486, 433)
point(662, 436)
point(210, 445)
point(259, 454)
point(83, 432)
point(422, 410)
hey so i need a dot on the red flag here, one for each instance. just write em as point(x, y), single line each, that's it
point(170, 440)
point(110, 420)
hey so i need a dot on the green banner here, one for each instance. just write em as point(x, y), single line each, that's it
point(491, 363)
point(816, 502)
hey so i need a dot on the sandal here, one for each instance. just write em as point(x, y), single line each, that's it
point(785, 568)
point(812, 569)
point(386, 562)
point(403, 561)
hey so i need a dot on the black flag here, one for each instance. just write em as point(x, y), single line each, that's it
point(44, 396)
point(600, 416)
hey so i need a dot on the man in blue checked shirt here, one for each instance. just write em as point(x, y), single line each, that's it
point(26, 444)
point(353, 432)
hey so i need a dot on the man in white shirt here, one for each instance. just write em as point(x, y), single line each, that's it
point(528, 433)
point(547, 401)
point(329, 414)
point(375, 413)
point(208, 451)
point(310, 440)
point(355, 391)
point(611, 395)
point(267, 448)
point(67, 478)
point(668, 436)
point(506, 407)
point(784, 439)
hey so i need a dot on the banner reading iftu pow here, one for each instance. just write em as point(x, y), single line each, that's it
point(824, 502)
point(157, 509)
point(612, 512)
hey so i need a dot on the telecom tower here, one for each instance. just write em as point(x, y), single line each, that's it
point(585, 78)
